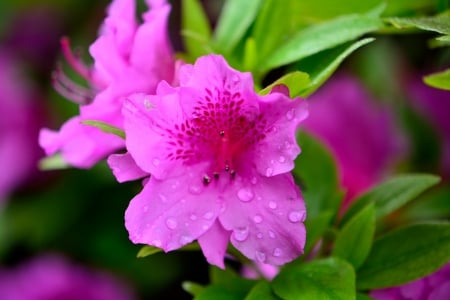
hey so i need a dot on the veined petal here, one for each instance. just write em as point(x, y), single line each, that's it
point(214, 244)
point(124, 167)
point(173, 212)
point(266, 216)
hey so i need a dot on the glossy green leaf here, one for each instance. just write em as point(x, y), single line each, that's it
point(262, 290)
point(392, 194)
point(54, 162)
point(320, 37)
point(330, 278)
point(431, 206)
point(322, 65)
point(407, 8)
point(316, 172)
point(440, 80)
point(192, 288)
point(405, 254)
point(316, 226)
point(440, 24)
point(361, 296)
point(296, 81)
point(354, 241)
point(148, 250)
point(196, 30)
point(235, 19)
point(107, 128)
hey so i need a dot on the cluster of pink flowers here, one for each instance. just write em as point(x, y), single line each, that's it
point(216, 156)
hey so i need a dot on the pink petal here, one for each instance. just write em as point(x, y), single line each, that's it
point(124, 167)
point(146, 129)
point(276, 153)
point(214, 244)
point(266, 216)
point(172, 213)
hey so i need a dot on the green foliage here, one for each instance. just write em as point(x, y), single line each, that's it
point(354, 241)
point(404, 255)
point(392, 194)
point(262, 290)
point(54, 162)
point(105, 127)
point(316, 226)
point(330, 278)
point(296, 81)
point(440, 80)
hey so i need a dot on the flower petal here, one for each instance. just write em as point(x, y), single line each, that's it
point(173, 212)
point(124, 167)
point(266, 216)
point(214, 244)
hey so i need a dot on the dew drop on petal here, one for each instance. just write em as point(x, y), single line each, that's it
point(235, 79)
point(205, 227)
point(281, 159)
point(163, 198)
point(277, 252)
point(195, 189)
point(296, 216)
point(209, 215)
point(260, 256)
point(185, 239)
point(146, 208)
point(271, 234)
point(155, 162)
point(269, 172)
point(148, 104)
point(193, 217)
point(254, 180)
point(241, 234)
point(273, 205)
point(245, 194)
point(290, 114)
point(171, 223)
point(257, 219)
point(259, 235)
point(156, 243)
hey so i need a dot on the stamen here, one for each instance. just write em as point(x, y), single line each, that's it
point(227, 168)
point(216, 175)
point(222, 133)
point(206, 179)
point(74, 60)
point(69, 89)
point(232, 174)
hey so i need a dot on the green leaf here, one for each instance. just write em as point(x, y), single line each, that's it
point(404, 8)
point(431, 206)
point(405, 255)
point(392, 194)
point(316, 226)
point(440, 24)
point(262, 290)
point(361, 296)
point(54, 162)
point(330, 278)
point(322, 65)
point(105, 127)
point(296, 81)
point(440, 80)
point(192, 288)
point(147, 250)
point(195, 28)
point(354, 241)
point(320, 37)
point(316, 172)
point(235, 19)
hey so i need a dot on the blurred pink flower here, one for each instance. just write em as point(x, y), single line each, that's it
point(128, 58)
point(50, 277)
point(432, 287)
point(19, 124)
point(360, 134)
point(220, 157)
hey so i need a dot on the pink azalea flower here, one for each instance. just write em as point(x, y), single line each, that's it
point(219, 156)
point(51, 277)
point(360, 134)
point(432, 287)
point(20, 120)
point(128, 58)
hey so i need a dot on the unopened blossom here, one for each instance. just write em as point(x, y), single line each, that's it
point(432, 287)
point(220, 158)
point(20, 120)
point(128, 57)
point(51, 277)
point(359, 132)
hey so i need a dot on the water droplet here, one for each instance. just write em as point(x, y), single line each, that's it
point(205, 227)
point(235, 79)
point(156, 161)
point(281, 159)
point(271, 234)
point(287, 145)
point(175, 184)
point(209, 215)
point(146, 208)
point(290, 114)
point(272, 161)
point(260, 256)
point(257, 219)
point(273, 204)
point(193, 217)
point(245, 194)
point(195, 189)
point(254, 180)
point(185, 239)
point(148, 104)
point(277, 252)
point(156, 243)
point(241, 234)
point(259, 235)
point(296, 216)
point(171, 223)
point(269, 172)
point(163, 198)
